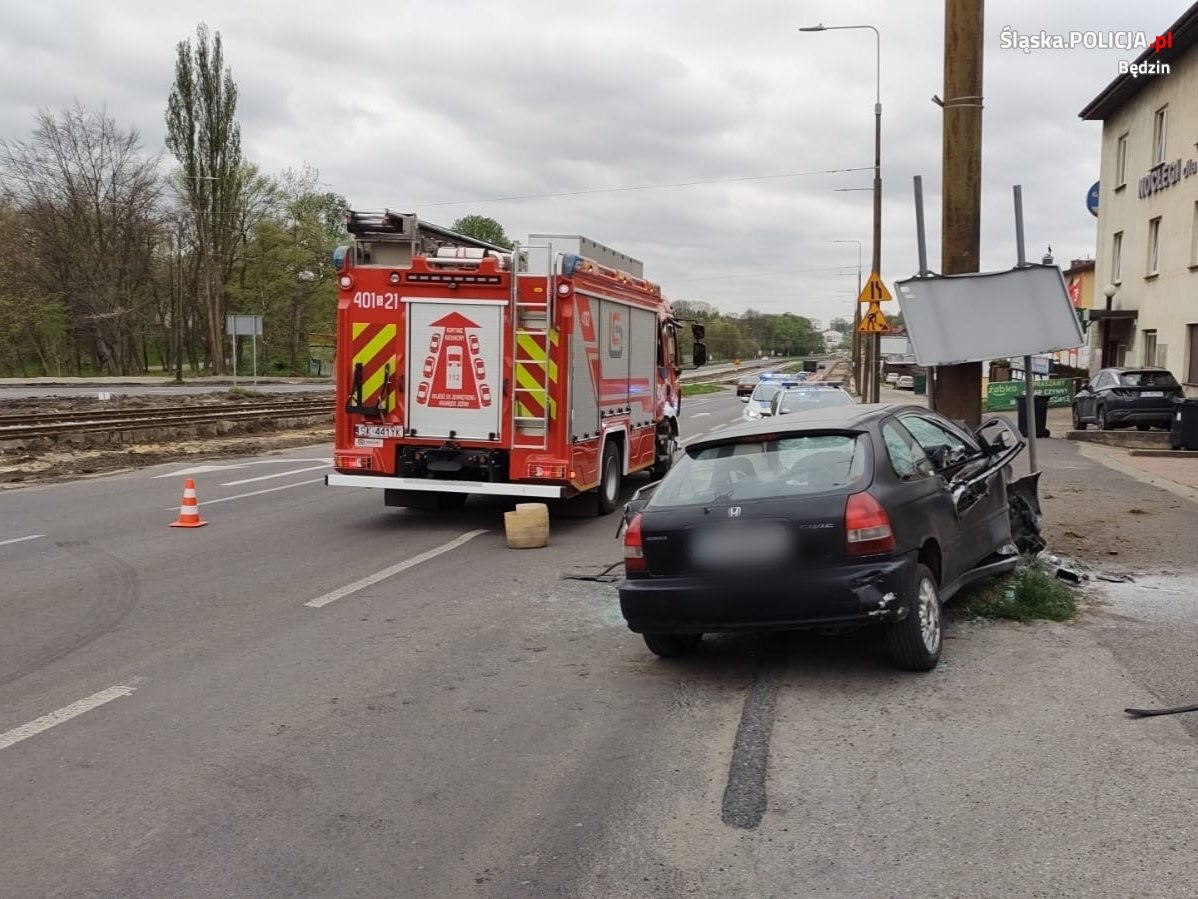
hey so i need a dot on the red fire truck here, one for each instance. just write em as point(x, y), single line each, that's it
point(544, 371)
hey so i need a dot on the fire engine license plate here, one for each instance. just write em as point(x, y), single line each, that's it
point(378, 431)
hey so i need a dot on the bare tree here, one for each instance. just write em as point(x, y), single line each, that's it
point(88, 198)
point(203, 133)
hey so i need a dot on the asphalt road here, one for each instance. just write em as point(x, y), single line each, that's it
point(314, 695)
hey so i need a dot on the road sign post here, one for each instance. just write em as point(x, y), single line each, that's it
point(244, 326)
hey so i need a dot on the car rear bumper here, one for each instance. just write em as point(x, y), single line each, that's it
point(863, 593)
point(1133, 415)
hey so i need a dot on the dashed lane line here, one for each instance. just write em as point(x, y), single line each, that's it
point(225, 499)
point(277, 474)
point(371, 580)
point(21, 539)
point(66, 713)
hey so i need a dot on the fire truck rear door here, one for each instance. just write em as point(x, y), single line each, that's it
point(455, 359)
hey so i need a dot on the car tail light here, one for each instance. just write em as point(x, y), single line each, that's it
point(867, 526)
point(634, 547)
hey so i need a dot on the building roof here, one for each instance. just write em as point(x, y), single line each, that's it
point(1077, 266)
point(1125, 87)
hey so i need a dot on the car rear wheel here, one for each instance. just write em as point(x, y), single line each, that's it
point(609, 478)
point(1100, 419)
point(672, 646)
point(1078, 424)
point(916, 641)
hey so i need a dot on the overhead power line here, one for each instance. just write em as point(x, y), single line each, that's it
point(616, 190)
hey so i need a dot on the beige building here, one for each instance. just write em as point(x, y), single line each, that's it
point(1145, 300)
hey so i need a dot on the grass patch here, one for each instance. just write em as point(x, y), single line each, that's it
point(239, 392)
point(699, 389)
point(1029, 593)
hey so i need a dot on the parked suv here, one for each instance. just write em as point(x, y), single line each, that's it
point(1118, 397)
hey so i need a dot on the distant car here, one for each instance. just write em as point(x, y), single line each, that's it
point(806, 399)
point(758, 403)
point(434, 343)
point(480, 370)
point(905, 382)
point(892, 378)
point(745, 385)
point(1118, 397)
point(853, 516)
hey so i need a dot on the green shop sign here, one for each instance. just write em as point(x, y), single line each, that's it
point(1005, 395)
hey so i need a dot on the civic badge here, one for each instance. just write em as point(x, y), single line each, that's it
point(734, 511)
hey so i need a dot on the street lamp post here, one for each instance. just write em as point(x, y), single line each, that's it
point(858, 385)
point(877, 257)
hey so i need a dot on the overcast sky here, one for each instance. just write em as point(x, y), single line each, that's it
point(441, 108)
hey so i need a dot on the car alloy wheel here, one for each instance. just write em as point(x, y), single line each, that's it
point(915, 642)
point(1078, 424)
point(1100, 419)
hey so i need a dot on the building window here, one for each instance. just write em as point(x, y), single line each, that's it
point(1154, 246)
point(1117, 258)
point(1194, 238)
point(1158, 135)
point(1192, 351)
point(1149, 353)
point(1121, 162)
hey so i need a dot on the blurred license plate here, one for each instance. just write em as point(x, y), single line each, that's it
point(1153, 393)
point(744, 544)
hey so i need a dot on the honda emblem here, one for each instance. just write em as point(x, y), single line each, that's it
point(734, 511)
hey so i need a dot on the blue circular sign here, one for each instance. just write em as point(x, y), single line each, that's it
point(1092, 200)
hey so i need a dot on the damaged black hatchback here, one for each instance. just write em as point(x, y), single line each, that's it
point(836, 518)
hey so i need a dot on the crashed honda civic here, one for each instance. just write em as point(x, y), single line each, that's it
point(830, 519)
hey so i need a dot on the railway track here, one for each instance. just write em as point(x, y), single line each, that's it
point(51, 424)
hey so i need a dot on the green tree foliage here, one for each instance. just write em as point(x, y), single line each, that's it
point(481, 227)
point(749, 334)
point(203, 133)
point(82, 217)
point(287, 273)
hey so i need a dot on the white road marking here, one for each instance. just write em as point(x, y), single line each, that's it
point(198, 469)
point(371, 580)
point(225, 499)
point(277, 474)
point(74, 710)
point(700, 414)
point(717, 427)
point(236, 466)
point(21, 539)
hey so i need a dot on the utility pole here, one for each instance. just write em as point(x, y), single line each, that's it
point(959, 387)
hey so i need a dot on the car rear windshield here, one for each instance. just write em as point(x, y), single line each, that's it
point(1147, 379)
point(801, 400)
point(763, 393)
point(768, 467)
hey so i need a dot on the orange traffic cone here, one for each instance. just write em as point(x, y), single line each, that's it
point(189, 512)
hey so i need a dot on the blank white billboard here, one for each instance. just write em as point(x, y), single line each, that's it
point(972, 318)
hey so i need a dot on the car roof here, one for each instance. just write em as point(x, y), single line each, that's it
point(1126, 368)
point(833, 418)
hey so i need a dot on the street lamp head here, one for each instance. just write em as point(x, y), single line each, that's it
point(1109, 291)
point(819, 27)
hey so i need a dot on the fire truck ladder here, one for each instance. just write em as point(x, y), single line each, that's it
point(532, 321)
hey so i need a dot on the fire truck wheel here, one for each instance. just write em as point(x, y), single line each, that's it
point(609, 478)
point(662, 466)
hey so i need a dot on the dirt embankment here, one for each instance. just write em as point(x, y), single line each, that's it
point(81, 454)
